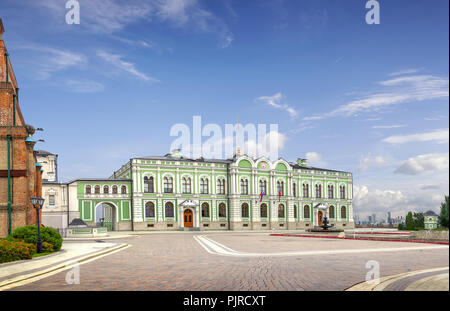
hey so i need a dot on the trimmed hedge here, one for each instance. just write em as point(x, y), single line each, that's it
point(17, 250)
point(29, 234)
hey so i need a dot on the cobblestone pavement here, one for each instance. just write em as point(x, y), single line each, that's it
point(178, 262)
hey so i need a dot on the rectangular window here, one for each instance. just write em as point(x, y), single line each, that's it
point(51, 200)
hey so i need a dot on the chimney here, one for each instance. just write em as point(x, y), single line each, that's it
point(2, 29)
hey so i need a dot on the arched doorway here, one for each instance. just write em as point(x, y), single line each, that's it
point(188, 218)
point(320, 218)
point(105, 215)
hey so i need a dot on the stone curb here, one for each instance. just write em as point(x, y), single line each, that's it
point(63, 266)
point(385, 281)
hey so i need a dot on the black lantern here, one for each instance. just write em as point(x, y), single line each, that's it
point(37, 204)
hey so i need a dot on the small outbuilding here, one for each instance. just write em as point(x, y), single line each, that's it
point(430, 220)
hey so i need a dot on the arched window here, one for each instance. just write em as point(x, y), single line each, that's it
point(244, 186)
point(221, 186)
point(222, 210)
point(264, 210)
point(114, 189)
point(169, 210)
point(318, 191)
point(205, 210)
point(244, 210)
point(295, 211)
point(331, 211)
point(343, 212)
point(263, 187)
point(168, 185)
point(281, 211)
point(105, 189)
point(88, 189)
point(149, 210)
point(306, 190)
point(148, 184)
point(330, 191)
point(280, 187)
point(186, 185)
point(342, 192)
point(97, 189)
point(123, 190)
point(204, 187)
point(306, 211)
point(294, 189)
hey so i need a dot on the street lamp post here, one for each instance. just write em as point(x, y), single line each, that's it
point(37, 204)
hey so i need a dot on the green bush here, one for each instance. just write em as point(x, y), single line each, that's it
point(401, 227)
point(17, 250)
point(47, 247)
point(29, 234)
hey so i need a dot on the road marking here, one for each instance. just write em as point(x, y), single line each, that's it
point(216, 248)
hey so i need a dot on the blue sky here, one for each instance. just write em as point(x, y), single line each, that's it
point(370, 99)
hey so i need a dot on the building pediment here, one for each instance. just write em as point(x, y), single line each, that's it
point(189, 203)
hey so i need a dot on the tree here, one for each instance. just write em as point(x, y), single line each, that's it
point(419, 221)
point(409, 221)
point(443, 217)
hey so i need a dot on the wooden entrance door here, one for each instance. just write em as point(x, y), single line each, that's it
point(320, 218)
point(188, 218)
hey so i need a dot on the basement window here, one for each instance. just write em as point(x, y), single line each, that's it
point(245, 225)
point(223, 225)
point(205, 225)
point(281, 225)
point(169, 225)
point(150, 225)
point(264, 225)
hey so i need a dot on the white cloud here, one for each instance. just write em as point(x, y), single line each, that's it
point(84, 86)
point(275, 101)
point(440, 136)
point(314, 159)
point(116, 61)
point(388, 126)
point(369, 161)
point(49, 60)
point(368, 200)
point(404, 72)
point(110, 16)
point(401, 90)
point(424, 163)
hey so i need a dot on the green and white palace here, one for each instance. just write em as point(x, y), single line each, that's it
point(173, 192)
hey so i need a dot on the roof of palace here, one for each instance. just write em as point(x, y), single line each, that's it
point(170, 157)
point(44, 153)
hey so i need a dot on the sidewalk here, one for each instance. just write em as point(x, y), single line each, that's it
point(21, 272)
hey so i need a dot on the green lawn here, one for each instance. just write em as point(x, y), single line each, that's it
point(41, 254)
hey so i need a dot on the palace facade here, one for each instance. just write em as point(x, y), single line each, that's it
point(173, 192)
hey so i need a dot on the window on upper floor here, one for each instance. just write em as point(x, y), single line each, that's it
point(306, 190)
point(221, 186)
point(168, 185)
point(149, 184)
point(204, 186)
point(88, 189)
point(318, 191)
point(51, 200)
point(342, 192)
point(244, 186)
point(114, 189)
point(294, 189)
point(123, 190)
point(330, 191)
point(97, 189)
point(280, 187)
point(263, 186)
point(106, 189)
point(186, 185)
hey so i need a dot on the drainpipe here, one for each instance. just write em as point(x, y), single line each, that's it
point(9, 183)
point(132, 200)
point(7, 67)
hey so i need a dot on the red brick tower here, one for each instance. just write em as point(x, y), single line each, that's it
point(20, 177)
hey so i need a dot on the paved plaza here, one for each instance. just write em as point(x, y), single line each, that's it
point(229, 261)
